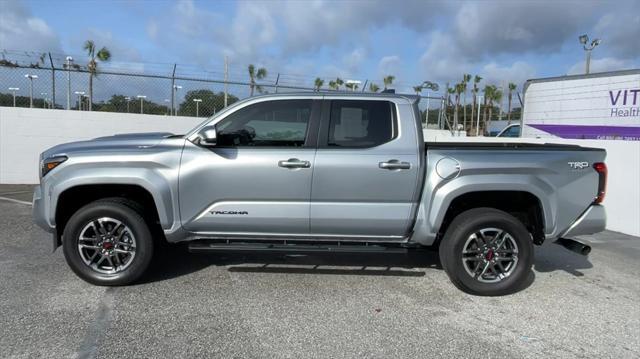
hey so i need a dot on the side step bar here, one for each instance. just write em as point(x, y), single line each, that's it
point(574, 246)
point(204, 247)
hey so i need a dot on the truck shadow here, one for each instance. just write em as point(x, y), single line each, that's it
point(551, 257)
point(175, 261)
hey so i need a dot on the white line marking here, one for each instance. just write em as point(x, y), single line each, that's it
point(16, 201)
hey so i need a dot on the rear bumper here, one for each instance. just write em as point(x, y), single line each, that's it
point(593, 220)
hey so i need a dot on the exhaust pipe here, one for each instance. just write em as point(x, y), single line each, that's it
point(574, 246)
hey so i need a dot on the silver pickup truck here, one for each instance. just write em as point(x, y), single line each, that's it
point(311, 172)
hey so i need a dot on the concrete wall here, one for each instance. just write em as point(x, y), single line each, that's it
point(25, 133)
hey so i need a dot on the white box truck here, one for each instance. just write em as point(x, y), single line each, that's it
point(602, 106)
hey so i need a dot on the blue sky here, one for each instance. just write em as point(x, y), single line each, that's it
point(413, 40)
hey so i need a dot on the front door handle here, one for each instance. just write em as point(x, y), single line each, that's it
point(294, 163)
point(394, 165)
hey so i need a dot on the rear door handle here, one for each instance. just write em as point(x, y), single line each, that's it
point(394, 165)
point(294, 163)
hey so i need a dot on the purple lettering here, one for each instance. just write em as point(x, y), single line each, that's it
point(624, 99)
point(614, 102)
point(635, 95)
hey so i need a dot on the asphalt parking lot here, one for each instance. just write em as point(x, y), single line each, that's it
point(258, 306)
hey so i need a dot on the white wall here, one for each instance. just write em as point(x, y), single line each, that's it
point(25, 133)
point(623, 183)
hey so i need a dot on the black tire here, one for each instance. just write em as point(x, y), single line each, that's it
point(124, 211)
point(464, 226)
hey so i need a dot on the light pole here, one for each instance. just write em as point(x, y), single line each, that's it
point(584, 39)
point(69, 60)
point(127, 99)
point(31, 78)
point(79, 94)
point(14, 89)
point(44, 99)
point(141, 97)
point(197, 101)
point(167, 101)
point(175, 97)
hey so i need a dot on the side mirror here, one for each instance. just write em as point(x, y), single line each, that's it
point(208, 137)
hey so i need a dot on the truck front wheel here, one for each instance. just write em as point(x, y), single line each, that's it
point(107, 242)
point(486, 251)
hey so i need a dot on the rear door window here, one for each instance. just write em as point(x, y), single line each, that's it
point(361, 123)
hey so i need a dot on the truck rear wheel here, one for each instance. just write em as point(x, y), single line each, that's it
point(107, 242)
point(486, 251)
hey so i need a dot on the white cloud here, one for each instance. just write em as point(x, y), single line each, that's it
point(152, 29)
point(389, 65)
point(518, 73)
point(20, 30)
point(620, 33)
point(354, 59)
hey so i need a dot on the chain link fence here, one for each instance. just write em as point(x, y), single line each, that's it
point(54, 81)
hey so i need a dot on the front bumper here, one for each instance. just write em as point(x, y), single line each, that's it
point(593, 220)
point(38, 213)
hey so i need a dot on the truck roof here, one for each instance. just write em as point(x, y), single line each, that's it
point(342, 94)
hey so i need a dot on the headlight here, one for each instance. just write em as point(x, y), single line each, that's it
point(51, 163)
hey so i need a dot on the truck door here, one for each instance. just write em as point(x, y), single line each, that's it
point(257, 179)
point(365, 174)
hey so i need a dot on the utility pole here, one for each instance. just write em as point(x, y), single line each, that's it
point(141, 97)
point(31, 78)
point(197, 101)
point(226, 79)
point(14, 89)
point(175, 93)
point(53, 82)
point(173, 87)
point(69, 59)
point(478, 119)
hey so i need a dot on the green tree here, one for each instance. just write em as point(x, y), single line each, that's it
point(333, 85)
point(318, 83)
point(417, 89)
point(388, 81)
point(373, 87)
point(256, 74)
point(211, 102)
point(102, 55)
point(512, 87)
point(339, 82)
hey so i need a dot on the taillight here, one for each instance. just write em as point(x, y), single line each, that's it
point(601, 168)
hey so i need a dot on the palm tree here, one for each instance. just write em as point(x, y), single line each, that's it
point(487, 95)
point(318, 83)
point(450, 91)
point(339, 82)
point(465, 80)
point(512, 87)
point(388, 81)
point(373, 87)
point(349, 85)
point(458, 89)
point(333, 85)
point(417, 89)
point(102, 55)
point(253, 75)
point(474, 91)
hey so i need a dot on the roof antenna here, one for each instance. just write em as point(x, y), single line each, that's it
point(389, 91)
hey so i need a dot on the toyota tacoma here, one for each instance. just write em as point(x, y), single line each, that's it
point(310, 172)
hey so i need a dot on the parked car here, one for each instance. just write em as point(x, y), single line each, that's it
point(510, 131)
point(311, 172)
